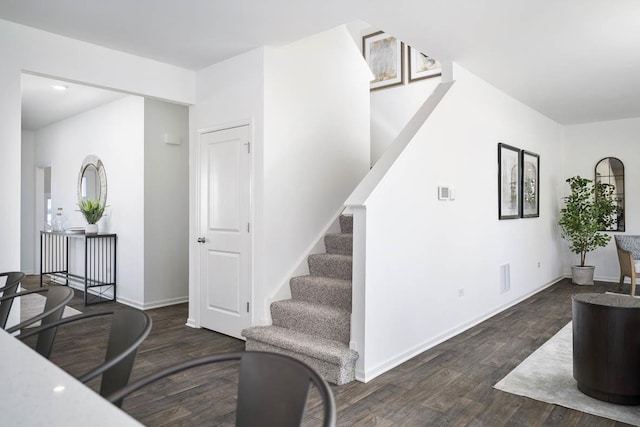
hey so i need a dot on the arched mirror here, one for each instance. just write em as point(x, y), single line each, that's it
point(611, 171)
point(92, 180)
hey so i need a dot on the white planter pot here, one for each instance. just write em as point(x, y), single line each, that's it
point(91, 229)
point(582, 275)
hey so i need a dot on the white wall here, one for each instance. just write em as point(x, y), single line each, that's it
point(115, 133)
point(421, 254)
point(28, 205)
point(585, 146)
point(316, 145)
point(308, 103)
point(391, 109)
point(27, 49)
point(166, 204)
point(228, 93)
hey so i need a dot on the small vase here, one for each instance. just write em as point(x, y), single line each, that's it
point(91, 229)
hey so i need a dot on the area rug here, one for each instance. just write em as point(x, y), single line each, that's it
point(547, 375)
point(33, 304)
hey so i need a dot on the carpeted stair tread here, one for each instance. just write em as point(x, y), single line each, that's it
point(322, 290)
point(315, 319)
point(330, 265)
point(330, 351)
point(339, 243)
point(346, 224)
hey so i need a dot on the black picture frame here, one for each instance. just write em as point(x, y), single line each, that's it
point(530, 184)
point(509, 182)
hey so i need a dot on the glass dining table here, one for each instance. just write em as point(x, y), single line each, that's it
point(35, 392)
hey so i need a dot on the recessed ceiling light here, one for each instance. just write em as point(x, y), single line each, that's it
point(60, 87)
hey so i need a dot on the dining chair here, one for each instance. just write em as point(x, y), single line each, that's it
point(57, 298)
point(627, 247)
point(129, 328)
point(272, 388)
point(10, 287)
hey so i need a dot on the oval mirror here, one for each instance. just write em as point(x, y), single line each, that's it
point(92, 180)
point(611, 171)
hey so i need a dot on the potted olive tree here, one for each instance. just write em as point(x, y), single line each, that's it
point(588, 210)
point(92, 211)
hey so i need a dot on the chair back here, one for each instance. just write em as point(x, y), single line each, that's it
point(57, 299)
point(10, 287)
point(272, 388)
point(625, 259)
point(129, 328)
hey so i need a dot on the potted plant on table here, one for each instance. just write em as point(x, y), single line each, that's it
point(92, 211)
point(588, 210)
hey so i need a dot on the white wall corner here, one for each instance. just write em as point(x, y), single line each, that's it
point(358, 280)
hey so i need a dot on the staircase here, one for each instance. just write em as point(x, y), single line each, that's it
point(315, 324)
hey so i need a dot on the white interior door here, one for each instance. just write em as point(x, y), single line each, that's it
point(225, 286)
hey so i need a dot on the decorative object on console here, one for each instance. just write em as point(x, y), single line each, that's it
point(92, 211)
point(508, 182)
point(588, 209)
point(58, 222)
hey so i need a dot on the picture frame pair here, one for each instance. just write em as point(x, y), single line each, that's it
point(518, 183)
point(385, 55)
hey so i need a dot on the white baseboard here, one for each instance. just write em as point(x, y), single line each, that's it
point(403, 357)
point(192, 323)
point(152, 305)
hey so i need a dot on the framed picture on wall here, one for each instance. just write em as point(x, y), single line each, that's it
point(508, 182)
point(385, 56)
point(422, 66)
point(530, 164)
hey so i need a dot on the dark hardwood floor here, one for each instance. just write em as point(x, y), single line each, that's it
point(448, 385)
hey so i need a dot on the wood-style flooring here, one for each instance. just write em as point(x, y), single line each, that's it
point(448, 385)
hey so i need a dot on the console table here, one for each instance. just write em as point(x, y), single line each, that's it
point(606, 347)
point(99, 278)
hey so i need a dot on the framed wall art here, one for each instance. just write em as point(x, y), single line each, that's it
point(422, 66)
point(508, 182)
point(385, 56)
point(530, 164)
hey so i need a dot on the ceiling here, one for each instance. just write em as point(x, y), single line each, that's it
point(43, 105)
point(575, 61)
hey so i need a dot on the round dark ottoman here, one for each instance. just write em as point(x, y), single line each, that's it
point(606, 347)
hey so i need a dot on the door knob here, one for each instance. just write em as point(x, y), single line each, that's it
point(201, 240)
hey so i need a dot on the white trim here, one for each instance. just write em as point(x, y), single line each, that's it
point(401, 358)
point(130, 303)
point(165, 302)
point(195, 288)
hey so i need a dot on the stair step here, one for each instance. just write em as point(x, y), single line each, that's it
point(339, 243)
point(313, 319)
point(333, 360)
point(322, 290)
point(330, 265)
point(346, 224)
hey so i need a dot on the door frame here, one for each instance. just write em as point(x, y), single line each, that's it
point(195, 256)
